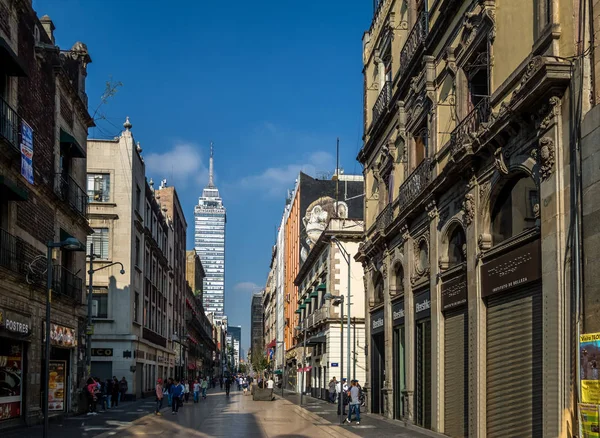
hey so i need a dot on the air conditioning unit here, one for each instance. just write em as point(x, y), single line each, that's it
point(95, 308)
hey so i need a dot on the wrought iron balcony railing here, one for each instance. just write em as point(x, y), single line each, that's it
point(9, 124)
point(69, 191)
point(414, 42)
point(384, 219)
point(415, 184)
point(67, 283)
point(466, 130)
point(382, 103)
point(16, 254)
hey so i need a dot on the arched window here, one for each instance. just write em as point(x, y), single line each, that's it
point(378, 289)
point(514, 209)
point(399, 279)
point(456, 247)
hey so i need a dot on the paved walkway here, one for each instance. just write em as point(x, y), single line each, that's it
point(221, 416)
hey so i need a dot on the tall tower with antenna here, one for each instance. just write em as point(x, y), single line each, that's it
point(210, 217)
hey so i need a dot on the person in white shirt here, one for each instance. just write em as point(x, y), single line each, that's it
point(270, 383)
point(339, 387)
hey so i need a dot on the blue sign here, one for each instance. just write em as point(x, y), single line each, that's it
point(335, 364)
point(27, 152)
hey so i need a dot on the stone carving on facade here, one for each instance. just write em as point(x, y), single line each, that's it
point(536, 63)
point(499, 161)
point(546, 113)
point(432, 210)
point(485, 241)
point(404, 232)
point(468, 208)
point(544, 155)
point(421, 257)
point(384, 271)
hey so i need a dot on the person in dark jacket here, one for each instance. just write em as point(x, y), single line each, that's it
point(115, 392)
point(108, 388)
point(123, 387)
point(177, 391)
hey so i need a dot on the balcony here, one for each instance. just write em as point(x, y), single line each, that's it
point(414, 42)
point(415, 184)
point(9, 125)
point(466, 131)
point(66, 283)
point(384, 219)
point(154, 337)
point(16, 254)
point(382, 103)
point(69, 191)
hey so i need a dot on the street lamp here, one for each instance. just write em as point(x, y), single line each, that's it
point(339, 301)
point(282, 367)
point(348, 260)
point(303, 327)
point(89, 328)
point(69, 244)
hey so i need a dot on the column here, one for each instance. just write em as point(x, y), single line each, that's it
point(409, 318)
point(388, 334)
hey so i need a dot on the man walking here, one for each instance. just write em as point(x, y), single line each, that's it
point(204, 386)
point(354, 405)
point(176, 392)
point(332, 384)
point(341, 389)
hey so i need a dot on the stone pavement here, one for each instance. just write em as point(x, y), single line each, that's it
point(221, 416)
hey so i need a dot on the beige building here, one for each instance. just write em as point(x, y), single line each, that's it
point(44, 121)
point(269, 304)
point(470, 112)
point(133, 313)
point(326, 271)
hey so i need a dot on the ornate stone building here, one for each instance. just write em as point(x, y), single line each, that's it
point(468, 110)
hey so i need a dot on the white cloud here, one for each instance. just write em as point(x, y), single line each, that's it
point(179, 165)
point(246, 287)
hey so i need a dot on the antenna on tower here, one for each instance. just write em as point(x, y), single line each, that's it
point(337, 179)
point(210, 167)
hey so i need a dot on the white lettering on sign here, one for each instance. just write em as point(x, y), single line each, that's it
point(510, 266)
point(398, 314)
point(377, 323)
point(509, 284)
point(423, 306)
point(15, 326)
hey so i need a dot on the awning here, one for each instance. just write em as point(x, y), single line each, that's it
point(10, 61)
point(317, 339)
point(322, 286)
point(298, 311)
point(68, 139)
point(191, 366)
point(271, 344)
point(278, 372)
point(12, 191)
point(307, 300)
point(314, 294)
point(302, 306)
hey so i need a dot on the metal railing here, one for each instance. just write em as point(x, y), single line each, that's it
point(67, 283)
point(69, 191)
point(384, 219)
point(16, 254)
point(415, 40)
point(382, 102)
point(464, 131)
point(415, 184)
point(9, 124)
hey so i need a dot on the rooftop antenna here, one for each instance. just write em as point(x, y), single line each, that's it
point(337, 179)
point(210, 167)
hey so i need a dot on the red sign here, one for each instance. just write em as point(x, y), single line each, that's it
point(10, 410)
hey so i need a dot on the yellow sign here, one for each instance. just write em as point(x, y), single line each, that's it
point(588, 421)
point(589, 359)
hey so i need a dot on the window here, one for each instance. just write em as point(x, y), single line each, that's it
point(514, 209)
point(137, 252)
point(100, 302)
point(100, 241)
point(98, 187)
point(136, 306)
point(138, 198)
point(457, 247)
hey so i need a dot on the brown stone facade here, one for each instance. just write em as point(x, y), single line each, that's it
point(51, 209)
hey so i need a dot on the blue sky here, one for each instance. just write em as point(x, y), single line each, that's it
point(271, 83)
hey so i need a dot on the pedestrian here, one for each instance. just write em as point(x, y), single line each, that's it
point(176, 393)
point(196, 391)
point(227, 385)
point(245, 386)
point(187, 391)
point(115, 392)
point(123, 387)
point(204, 387)
point(108, 385)
point(103, 397)
point(92, 390)
point(159, 396)
point(341, 388)
point(354, 403)
point(239, 382)
point(168, 391)
point(270, 383)
point(332, 384)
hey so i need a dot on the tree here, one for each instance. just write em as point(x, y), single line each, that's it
point(259, 363)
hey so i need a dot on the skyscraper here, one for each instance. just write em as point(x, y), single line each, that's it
point(209, 241)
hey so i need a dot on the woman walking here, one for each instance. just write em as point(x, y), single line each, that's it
point(196, 391)
point(187, 391)
point(159, 396)
point(204, 386)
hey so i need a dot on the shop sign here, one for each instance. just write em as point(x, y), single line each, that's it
point(422, 305)
point(515, 268)
point(14, 322)
point(398, 313)
point(335, 364)
point(11, 379)
point(27, 152)
point(588, 420)
point(102, 352)
point(589, 359)
point(454, 292)
point(57, 377)
point(377, 322)
point(61, 336)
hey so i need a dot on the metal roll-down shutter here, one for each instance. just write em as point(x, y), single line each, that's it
point(456, 371)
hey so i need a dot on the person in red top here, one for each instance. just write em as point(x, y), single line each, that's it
point(159, 396)
point(92, 389)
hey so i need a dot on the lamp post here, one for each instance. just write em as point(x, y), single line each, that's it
point(339, 301)
point(303, 327)
point(348, 260)
point(89, 328)
point(69, 244)
point(282, 367)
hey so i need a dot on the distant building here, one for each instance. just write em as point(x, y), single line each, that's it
point(209, 240)
point(236, 340)
point(256, 323)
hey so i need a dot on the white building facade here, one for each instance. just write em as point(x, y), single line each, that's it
point(209, 241)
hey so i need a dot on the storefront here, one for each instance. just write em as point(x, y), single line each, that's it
point(377, 361)
point(102, 363)
point(399, 358)
point(63, 342)
point(512, 290)
point(15, 331)
point(456, 353)
point(423, 359)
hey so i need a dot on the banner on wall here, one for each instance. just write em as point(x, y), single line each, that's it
point(589, 357)
point(27, 152)
point(57, 377)
point(588, 421)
